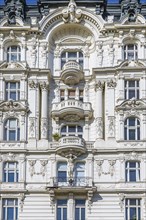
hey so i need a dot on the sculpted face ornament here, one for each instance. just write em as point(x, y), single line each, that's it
point(71, 13)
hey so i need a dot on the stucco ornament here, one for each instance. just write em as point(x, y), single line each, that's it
point(71, 13)
point(31, 168)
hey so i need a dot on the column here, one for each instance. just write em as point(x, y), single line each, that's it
point(1, 87)
point(71, 207)
point(44, 110)
point(86, 132)
point(90, 169)
point(99, 109)
point(32, 99)
point(120, 88)
point(23, 88)
point(111, 108)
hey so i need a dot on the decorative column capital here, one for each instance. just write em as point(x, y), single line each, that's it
point(44, 85)
point(111, 84)
point(99, 85)
point(32, 84)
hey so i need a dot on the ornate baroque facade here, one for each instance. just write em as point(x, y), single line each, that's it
point(73, 110)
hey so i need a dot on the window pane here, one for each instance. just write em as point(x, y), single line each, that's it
point(10, 212)
point(13, 95)
point(77, 214)
point(132, 164)
point(83, 214)
point(12, 135)
point(131, 94)
point(131, 83)
point(71, 129)
point(65, 214)
point(12, 85)
point(59, 214)
point(132, 134)
point(132, 213)
point(131, 121)
point(133, 175)
point(11, 177)
point(12, 123)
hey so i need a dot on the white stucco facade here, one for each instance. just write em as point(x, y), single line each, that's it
point(78, 124)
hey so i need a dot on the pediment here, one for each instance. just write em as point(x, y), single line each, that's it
point(132, 64)
point(13, 65)
point(131, 104)
point(13, 106)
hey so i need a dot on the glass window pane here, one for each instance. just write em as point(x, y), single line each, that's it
point(10, 213)
point(131, 94)
point(132, 176)
point(12, 85)
point(59, 214)
point(12, 135)
point(71, 129)
point(77, 214)
point(72, 54)
point(65, 214)
point(83, 214)
point(12, 123)
point(132, 213)
point(63, 129)
point(132, 164)
point(131, 134)
point(11, 177)
point(131, 121)
point(13, 95)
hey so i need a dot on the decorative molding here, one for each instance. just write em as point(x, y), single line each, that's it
point(111, 126)
point(9, 157)
point(44, 128)
point(99, 127)
point(131, 105)
point(12, 106)
point(71, 13)
point(32, 84)
point(22, 198)
point(99, 85)
point(90, 196)
point(71, 118)
point(121, 201)
point(44, 85)
point(32, 127)
point(43, 167)
point(111, 84)
point(99, 166)
point(31, 168)
point(111, 168)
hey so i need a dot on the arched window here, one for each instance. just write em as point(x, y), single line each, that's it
point(12, 130)
point(72, 130)
point(132, 129)
point(76, 56)
point(130, 52)
point(13, 53)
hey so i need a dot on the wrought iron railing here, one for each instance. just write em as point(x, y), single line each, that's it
point(72, 182)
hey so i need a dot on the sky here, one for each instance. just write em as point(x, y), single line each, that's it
point(35, 1)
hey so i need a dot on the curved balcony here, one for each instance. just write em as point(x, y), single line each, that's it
point(71, 144)
point(72, 73)
point(71, 110)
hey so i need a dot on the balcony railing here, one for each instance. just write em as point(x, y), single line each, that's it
point(71, 103)
point(71, 65)
point(72, 182)
point(71, 140)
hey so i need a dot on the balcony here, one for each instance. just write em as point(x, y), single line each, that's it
point(77, 184)
point(72, 73)
point(71, 110)
point(73, 144)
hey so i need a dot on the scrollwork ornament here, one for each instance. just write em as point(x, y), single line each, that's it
point(99, 85)
point(111, 127)
point(22, 198)
point(99, 127)
point(43, 85)
point(90, 196)
point(31, 168)
point(111, 168)
point(43, 167)
point(99, 166)
point(32, 84)
point(121, 200)
point(111, 84)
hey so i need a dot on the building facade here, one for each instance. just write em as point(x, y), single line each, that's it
point(73, 110)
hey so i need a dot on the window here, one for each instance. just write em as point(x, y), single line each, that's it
point(72, 130)
point(132, 129)
point(10, 172)
point(62, 209)
point(71, 94)
point(76, 56)
point(62, 172)
point(131, 89)
point(130, 52)
point(132, 171)
point(80, 173)
point(13, 91)
point(133, 210)
point(79, 209)
point(12, 130)
point(10, 209)
point(13, 54)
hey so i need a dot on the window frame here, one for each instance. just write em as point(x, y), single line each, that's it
point(8, 129)
point(129, 207)
point(80, 207)
point(60, 216)
point(132, 130)
point(134, 89)
point(68, 133)
point(5, 208)
point(9, 172)
point(66, 58)
point(129, 170)
point(10, 90)
point(127, 51)
point(11, 53)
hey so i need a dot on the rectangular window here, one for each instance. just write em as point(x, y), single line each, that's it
point(131, 89)
point(71, 94)
point(81, 95)
point(133, 209)
point(132, 171)
point(10, 172)
point(62, 172)
point(10, 209)
point(62, 209)
point(79, 209)
point(13, 91)
point(62, 95)
point(80, 173)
